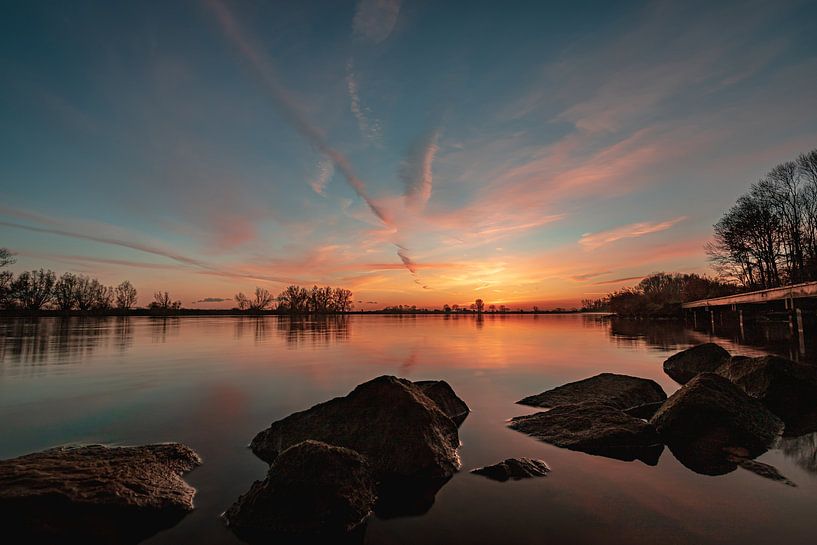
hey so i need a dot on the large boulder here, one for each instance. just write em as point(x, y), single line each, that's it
point(710, 414)
point(312, 489)
point(786, 388)
point(514, 468)
point(390, 421)
point(704, 358)
point(620, 391)
point(96, 493)
point(441, 393)
point(594, 428)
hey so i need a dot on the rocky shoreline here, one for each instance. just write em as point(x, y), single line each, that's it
point(389, 445)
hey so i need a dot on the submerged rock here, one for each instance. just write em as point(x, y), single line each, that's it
point(441, 393)
point(740, 457)
point(620, 391)
point(710, 414)
point(96, 493)
point(594, 428)
point(312, 489)
point(786, 388)
point(704, 358)
point(514, 468)
point(390, 421)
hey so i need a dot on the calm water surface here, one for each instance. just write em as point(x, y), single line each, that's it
point(212, 383)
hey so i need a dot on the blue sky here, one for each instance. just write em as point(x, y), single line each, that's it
point(416, 152)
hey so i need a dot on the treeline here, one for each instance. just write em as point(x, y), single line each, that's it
point(43, 289)
point(769, 237)
point(298, 300)
point(660, 294)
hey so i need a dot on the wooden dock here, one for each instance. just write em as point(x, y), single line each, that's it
point(793, 305)
point(786, 293)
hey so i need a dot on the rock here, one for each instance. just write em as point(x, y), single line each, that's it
point(312, 489)
point(739, 457)
point(514, 468)
point(645, 410)
point(620, 391)
point(407, 497)
point(390, 421)
point(96, 493)
point(704, 358)
point(786, 388)
point(441, 393)
point(594, 428)
point(710, 414)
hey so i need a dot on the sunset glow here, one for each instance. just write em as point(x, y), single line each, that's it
point(416, 153)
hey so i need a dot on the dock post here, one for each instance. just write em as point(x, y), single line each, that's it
point(694, 318)
point(740, 319)
point(800, 337)
point(712, 319)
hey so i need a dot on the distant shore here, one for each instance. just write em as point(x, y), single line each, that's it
point(19, 313)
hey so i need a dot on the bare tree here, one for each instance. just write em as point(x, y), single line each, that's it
point(65, 289)
point(479, 304)
point(162, 301)
point(242, 301)
point(261, 301)
point(6, 293)
point(6, 258)
point(294, 299)
point(125, 296)
point(342, 300)
point(33, 290)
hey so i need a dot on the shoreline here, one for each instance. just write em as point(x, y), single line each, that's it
point(235, 312)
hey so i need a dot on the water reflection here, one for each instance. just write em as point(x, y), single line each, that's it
point(164, 327)
point(254, 325)
point(802, 450)
point(315, 331)
point(214, 382)
point(37, 342)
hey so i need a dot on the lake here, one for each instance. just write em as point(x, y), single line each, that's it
point(214, 382)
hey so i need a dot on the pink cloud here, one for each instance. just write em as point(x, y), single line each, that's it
point(592, 241)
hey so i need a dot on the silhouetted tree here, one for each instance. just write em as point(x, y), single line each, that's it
point(662, 294)
point(342, 300)
point(6, 258)
point(125, 296)
point(34, 290)
point(769, 237)
point(480, 305)
point(65, 296)
point(321, 300)
point(6, 279)
point(162, 301)
point(260, 301)
point(242, 301)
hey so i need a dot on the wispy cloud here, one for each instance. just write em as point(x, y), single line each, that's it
point(407, 261)
point(588, 276)
point(287, 105)
point(416, 172)
point(619, 280)
point(369, 126)
point(134, 245)
point(591, 241)
point(375, 19)
point(325, 171)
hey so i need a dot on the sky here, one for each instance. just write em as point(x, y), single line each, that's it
point(415, 152)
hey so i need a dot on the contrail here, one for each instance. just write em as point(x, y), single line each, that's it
point(287, 107)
